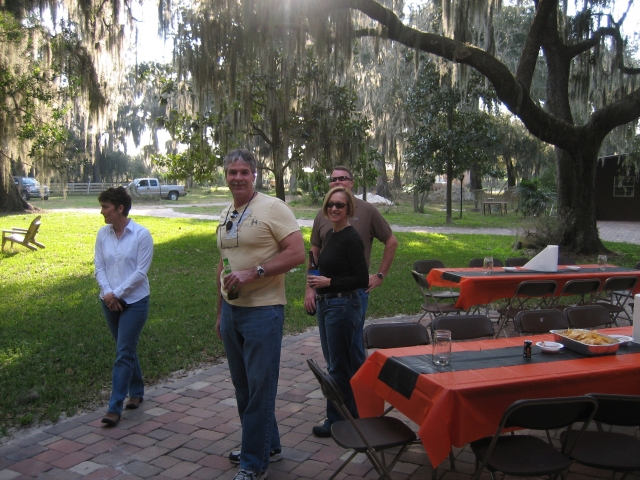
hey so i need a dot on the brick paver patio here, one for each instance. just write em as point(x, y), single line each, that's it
point(186, 428)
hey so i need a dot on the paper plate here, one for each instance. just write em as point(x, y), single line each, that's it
point(623, 339)
point(550, 347)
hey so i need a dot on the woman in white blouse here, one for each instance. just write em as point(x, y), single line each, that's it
point(123, 256)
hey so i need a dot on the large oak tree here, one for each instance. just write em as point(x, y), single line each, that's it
point(568, 48)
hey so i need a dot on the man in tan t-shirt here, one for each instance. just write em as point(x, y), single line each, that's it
point(261, 239)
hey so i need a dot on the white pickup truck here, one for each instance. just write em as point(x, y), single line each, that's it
point(151, 187)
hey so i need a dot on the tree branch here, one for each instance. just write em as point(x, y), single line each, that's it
point(511, 93)
point(262, 133)
point(531, 49)
point(578, 48)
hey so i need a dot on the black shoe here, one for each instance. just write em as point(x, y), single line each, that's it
point(322, 431)
point(274, 456)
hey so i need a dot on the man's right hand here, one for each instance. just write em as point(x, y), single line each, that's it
point(310, 299)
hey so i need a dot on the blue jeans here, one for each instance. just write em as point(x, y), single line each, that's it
point(252, 338)
point(338, 320)
point(125, 327)
point(358, 355)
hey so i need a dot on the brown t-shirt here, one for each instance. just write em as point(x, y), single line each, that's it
point(368, 222)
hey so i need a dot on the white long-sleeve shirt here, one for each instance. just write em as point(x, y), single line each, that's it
point(121, 264)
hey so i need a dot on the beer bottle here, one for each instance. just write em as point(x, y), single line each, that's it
point(233, 294)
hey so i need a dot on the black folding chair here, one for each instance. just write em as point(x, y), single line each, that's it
point(371, 436)
point(523, 455)
point(528, 295)
point(588, 316)
point(464, 327)
point(516, 261)
point(431, 305)
point(540, 321)
point(609, 450)
point(614, 295)
point(424, 267)
point(394, 335)
point(584, 289)
point(479, 262)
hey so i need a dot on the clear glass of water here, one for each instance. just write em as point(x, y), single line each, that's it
point(441, 355)
point(602, 262)
point(487, 265)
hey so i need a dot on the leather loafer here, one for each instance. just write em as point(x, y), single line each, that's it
point(111, 418)
point(322, 431)
point(133, 403)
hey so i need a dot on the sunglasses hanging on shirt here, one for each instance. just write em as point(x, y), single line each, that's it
point(228, 224)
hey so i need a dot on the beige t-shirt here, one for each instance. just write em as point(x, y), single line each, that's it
point(256, 240)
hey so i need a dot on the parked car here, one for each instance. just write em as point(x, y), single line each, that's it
point(31, 188)
point(152, 187)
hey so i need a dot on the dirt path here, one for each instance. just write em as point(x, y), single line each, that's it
point(625, 232)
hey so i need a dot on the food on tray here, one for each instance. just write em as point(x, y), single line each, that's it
point(588, 337)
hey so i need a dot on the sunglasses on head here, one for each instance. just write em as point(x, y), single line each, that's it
point(338, 205)
point(339, 179)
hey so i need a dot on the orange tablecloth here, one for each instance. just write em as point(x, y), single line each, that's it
point(455, 408)
point(484, 289)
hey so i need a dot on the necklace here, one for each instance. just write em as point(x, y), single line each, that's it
point(344, 226)
point(229, 225)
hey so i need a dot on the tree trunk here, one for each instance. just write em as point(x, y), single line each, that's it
point(259, 175)
point(10, 199)
point(278, 172)
point(97, 158)
point(382, 185)
point(575, 181)
point(397, 179)
point(475, 180)
point(449, 184)
point(511, 171)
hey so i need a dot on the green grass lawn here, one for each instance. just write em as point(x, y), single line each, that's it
point(55, 349)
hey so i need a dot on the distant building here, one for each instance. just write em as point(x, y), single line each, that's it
point(617, 190)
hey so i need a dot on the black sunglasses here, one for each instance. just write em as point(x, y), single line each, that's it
point(339, 179)
point(233, 214)
point(338, 205)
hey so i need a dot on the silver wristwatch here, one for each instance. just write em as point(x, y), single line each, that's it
point(260, 271)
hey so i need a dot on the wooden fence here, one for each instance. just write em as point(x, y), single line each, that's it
point(83, 188)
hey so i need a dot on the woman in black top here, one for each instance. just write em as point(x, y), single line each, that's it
point(343, 270)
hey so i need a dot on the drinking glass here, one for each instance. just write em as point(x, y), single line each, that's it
point(441, 355)
point(602, 262)
point(487, 265)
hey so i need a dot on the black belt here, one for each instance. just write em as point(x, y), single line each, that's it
point(327, 296)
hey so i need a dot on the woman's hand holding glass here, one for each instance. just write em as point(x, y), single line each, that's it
point(317, 281)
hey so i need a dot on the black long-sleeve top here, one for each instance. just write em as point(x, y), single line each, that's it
point(342, 260)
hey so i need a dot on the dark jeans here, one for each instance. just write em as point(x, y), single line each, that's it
point(125, 327)
point(252, 338)
point(338, 320)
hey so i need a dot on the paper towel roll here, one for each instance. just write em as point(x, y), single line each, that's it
point(636, 318)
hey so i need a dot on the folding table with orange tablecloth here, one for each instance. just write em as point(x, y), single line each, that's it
point(478, 288)
point(464, 402)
